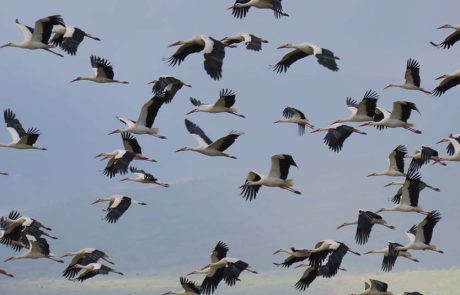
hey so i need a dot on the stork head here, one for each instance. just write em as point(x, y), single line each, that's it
point(98, 200)
point(442, 140)
point(183, 149)
point(192, 111)
point(388, 86)
point(76, 79)
point(102, 155)
point(7, 45)
point(288, 45)
point(369, 252)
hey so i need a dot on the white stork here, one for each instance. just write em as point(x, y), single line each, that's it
point(146, 118)
point(277, 177)
point(190, 288)
point(118, 204)
point(423, 157)
point(92, 270)
point(252, 42)
point(450, 39)
point(38, 37)
point(295, 116)
point(143, 177)
point(118, 163)
point(390, 255)
point(208, 147)
point(167, 87)
point(84, 256)
point(38, 248)
point(4, 272)
point(453, 148)
point(311, 273)
point(223, 105)
point(214, 53)
point(398, 116)
point(420, 235)
point(295, 255)
point(336, 135)
point(241, 7)
point(103, 72)
point(362, 111)
point(449, 81)
point(412, 77)
point(374, 287)
point(69, 38)
point(408, 198)
point(20, 138)
point(324, 56)
point(365, 222)
point(396, 163)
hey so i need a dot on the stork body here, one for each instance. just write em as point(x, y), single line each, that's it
point(143, 177)
point(337, 134)
point(20, 138)
point(324, 56)
point(453, 149)
point(252, 42)
point(295, 116)
point(84, 256)
point(167, 87)
point(69, 38)
point(224, 104)
point(118, 204)
point(364, 110)
point(390, 255)
point(412, 77)
point(295, 255)
point(93, 269)
point(103, 72)
point(38, 248)
point(396, 163)
point(241, 7)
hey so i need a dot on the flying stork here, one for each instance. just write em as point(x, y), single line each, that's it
point(295, 116)
point(208, 147)
point(143, 177)
point(398, 116)
point(84, 256)
point(224, 104)
point(362, 111)
point(453, 148)
point(311, 273)
point(146, 118)
point(93, 269)
point(167, 87)
point(241, 7)
point(190, 288)
point(69, 38)
point(374, 287)
point(365, 222)
point(336, 135)
point(450, 39)
point(420, 235)
point(396, 163)
point(412, 77)
point(295, 255)
point(20, 138)
point(390, 255)
point(38, 248)
point(448, 81)
point(252, 42)
point(324, 56)
point(118, 204)
point(38, 37)
point(214, 53)
point(277, 177)
point(423, 157)
point(103, 72)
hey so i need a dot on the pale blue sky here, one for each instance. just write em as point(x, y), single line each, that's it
point(176, 231)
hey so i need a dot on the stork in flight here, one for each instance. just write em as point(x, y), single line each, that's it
point(38, 248)
point(241, 7)
point(208, 147)
point(143, 177)
point(362, 111)
point(118, 204)
point(277, 177)
point(190, 288)
point(224, 104)
point(374, 287)
point(420, 235)
point(390, 255)
point(167, 87)
point(311, 273)
point(103, 72)
point(93, 269)
point(295, 116)
point(423, 157)
point(84, 256)
point(451, 39)
point(295, 255)
point(146, 118)
point(396, 163)
point(38, 37)
point(213, 50)
point(324, 56)
point(398, 116)
point(252, 42)
point(365, 222)
point(69, 38)
point(336, 135)
point(412, 77)
point(448, 81)
point(453, 148)
point(20, 138)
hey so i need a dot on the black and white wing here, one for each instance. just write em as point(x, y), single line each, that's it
point(280, 166)
point(249, 192)
point(197, 133)
point(288, 60)
point(117, 209)
point(214, 54)
point(101, 67)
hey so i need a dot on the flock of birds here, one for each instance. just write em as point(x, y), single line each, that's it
point(324, 258)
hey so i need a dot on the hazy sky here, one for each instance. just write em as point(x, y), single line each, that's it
point(175, 233)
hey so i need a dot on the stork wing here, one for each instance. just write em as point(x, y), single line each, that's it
point(44, 27)
point(115, 211)
point(225, 142)
point(289, 112)
point(368, 103)
point(226, 99)
point(412, 75)
point(214, 54)
point(26, 31)
point(326, 58)
point(280, 166)
point(130, 143)
point(288, 60)
point(219, 252)
point(149, 111)
point(101, 67)
point(189, 286)
point(396, 158)
point(250, 192)
point(197, 133)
